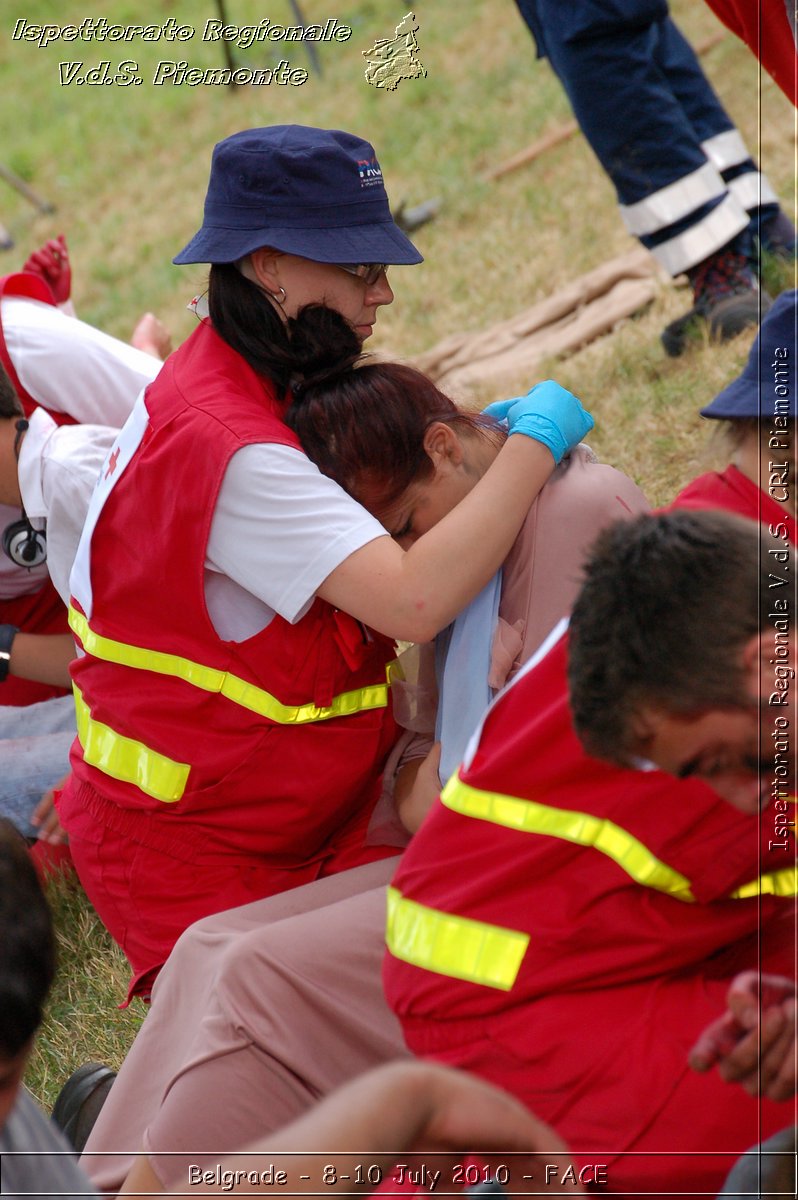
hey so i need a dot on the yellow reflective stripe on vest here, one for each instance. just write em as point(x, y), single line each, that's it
point(777, 883)
point(453, 946)
point(132, 762)
point(528, 816)
point(237, 690)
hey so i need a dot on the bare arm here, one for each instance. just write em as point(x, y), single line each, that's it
point(43, 657)
point(416, 789)
point(412, 594)
point(396, 1108)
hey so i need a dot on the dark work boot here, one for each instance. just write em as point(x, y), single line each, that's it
point(78, 1104)
point(726, 298)
point(778, 236)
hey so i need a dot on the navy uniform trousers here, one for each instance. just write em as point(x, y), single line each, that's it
point(685, 181)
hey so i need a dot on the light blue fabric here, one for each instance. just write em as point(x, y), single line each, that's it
point(33, 720)
point(34, 755)
point(462, 663)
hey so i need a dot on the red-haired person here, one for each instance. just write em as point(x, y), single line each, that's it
point(404, 450)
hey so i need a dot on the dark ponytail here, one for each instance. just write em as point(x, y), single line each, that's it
point(248, 321)
point(363, 426)
point(312, 346)
point(324, 346)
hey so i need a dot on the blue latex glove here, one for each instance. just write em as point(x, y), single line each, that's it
point(546, 413)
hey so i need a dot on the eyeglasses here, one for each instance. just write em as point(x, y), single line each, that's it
point(368, 272)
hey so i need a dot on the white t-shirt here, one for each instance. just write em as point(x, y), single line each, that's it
point(279, 529)
point(58, 468)
point(280, 526)
point(295, 524)
point(71, 367)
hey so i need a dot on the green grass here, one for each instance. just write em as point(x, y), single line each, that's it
point(83, 1021)
point(127, 170)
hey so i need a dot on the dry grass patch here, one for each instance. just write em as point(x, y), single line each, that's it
point(83, 1020)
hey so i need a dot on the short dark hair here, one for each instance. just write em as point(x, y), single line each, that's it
point(668, 602)
point(27, 944)
point(9, 400)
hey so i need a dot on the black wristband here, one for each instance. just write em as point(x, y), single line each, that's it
point(7, 635)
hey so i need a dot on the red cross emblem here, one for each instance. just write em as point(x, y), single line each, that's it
point(112, 463)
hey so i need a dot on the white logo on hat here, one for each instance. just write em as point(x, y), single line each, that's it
point(369, 171)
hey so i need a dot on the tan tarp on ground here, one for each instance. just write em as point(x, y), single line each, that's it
point(583, 310)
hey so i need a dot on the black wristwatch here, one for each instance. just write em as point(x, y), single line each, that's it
point(7, 635)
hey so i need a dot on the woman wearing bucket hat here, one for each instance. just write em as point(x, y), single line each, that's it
point(758, 412)
point(233, 716)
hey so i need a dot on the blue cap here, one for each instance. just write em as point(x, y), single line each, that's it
point(766, 387)
point(317, 193)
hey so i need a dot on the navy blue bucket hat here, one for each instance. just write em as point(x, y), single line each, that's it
point(317, 193)
point(767, 385)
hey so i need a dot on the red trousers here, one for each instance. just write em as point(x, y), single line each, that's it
point(147, 896)
point(608, 1070)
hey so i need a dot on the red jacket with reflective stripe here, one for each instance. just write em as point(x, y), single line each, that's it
point(617, 979)
point(591, 925)
point(31, 287)
point(255, 787)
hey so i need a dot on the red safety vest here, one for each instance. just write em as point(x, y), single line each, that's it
point(34, 288)
point(566, 928)
point(271, 747)
point(585, 871)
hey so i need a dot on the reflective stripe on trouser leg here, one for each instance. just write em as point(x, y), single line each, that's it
point(726, 150)
point(673, 202)
point(752, 190)
point(690, 246)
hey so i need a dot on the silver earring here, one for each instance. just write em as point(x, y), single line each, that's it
point(199, 306)
point(279, 298)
